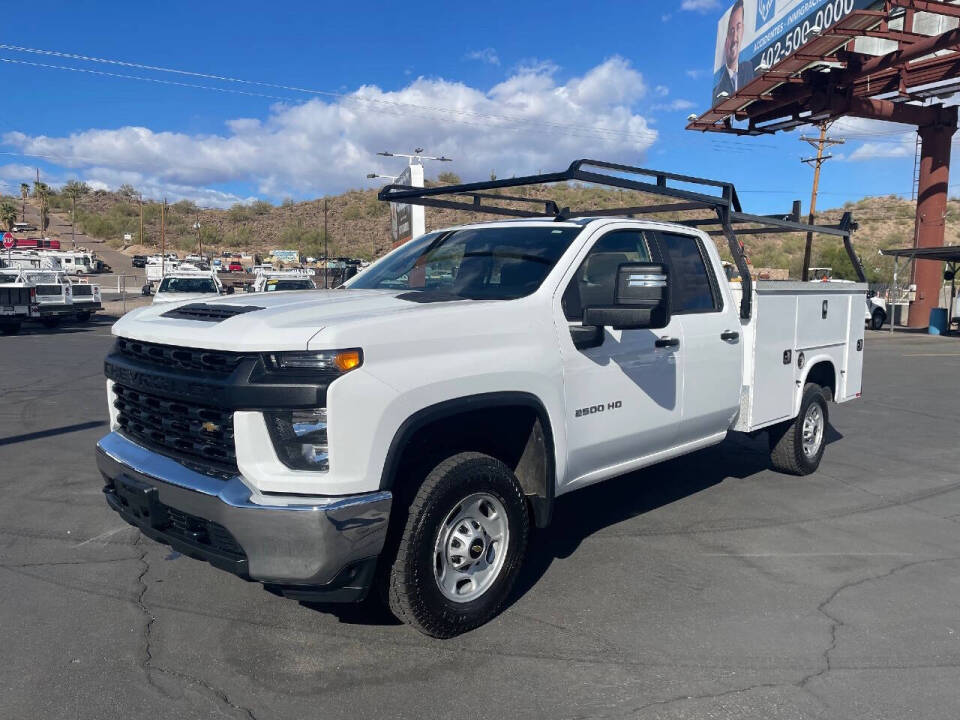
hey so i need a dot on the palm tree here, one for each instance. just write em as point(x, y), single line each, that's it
point(8, 214)
point(74, 189)
point(24, 192)
point(41, 191)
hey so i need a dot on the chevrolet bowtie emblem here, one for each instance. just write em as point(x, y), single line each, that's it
point(210, 427)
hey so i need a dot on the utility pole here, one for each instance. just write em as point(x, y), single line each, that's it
point(199, 239)
point(73, 219)
point(140, 196)
point(819, 143)
point(163, 241)
point(326, 258)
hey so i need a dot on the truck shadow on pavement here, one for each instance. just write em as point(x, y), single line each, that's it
point(585, 512)
point(67, 327)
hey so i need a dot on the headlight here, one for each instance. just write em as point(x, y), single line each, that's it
point(300, 438)
point(332, 361)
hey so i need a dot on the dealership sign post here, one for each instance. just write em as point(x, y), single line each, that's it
point(755, 35)
point(407, 221)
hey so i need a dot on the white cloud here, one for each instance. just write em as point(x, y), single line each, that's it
point(700, 5)
point(673, 106)
point(487, 55)
point(661, 90)
point(696, 73)
point(529, 121)
point(879, 139)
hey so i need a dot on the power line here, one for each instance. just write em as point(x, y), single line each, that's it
point(591, 129)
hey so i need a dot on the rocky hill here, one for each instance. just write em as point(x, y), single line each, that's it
point(359, 225)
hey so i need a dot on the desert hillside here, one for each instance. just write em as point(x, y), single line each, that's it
point(359, 225)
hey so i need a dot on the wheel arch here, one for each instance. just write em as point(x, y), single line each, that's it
point(523, 440)
point(821, 370)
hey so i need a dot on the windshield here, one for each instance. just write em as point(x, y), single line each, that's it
point(273, 285)
point(188, 285)
point(493, 263)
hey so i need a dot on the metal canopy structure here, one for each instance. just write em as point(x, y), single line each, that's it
point(715, 196)
point(947, 253)
point(825, 80)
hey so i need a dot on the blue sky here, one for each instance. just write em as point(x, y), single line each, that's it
point(505, 87)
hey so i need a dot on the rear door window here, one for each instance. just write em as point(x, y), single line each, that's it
point(692, 286)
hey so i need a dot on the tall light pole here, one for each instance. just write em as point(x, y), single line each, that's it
point(326, 257)
point(196, 226)
point(408, 221)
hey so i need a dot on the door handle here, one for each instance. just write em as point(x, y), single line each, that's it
point(665, 342)
point(729, 335)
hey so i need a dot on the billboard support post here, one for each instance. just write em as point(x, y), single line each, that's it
point(931, 213)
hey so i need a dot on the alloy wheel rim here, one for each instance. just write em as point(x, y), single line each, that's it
point(812, 430)
point(471, 547)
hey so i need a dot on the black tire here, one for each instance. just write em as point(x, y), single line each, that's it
point(83, 316)
point(412, 590)
point(50, 322)
point(10, 328)
point(786, 439)
point(877, 319)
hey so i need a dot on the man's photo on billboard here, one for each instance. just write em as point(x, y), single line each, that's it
point(733, 74)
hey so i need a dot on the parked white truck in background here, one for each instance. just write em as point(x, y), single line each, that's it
point(408, 430)
point(18, 303)
point(182, 285)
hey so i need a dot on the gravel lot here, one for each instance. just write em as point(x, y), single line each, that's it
point(707, 587)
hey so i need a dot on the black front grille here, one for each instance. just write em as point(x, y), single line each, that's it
point(174, 427)
point(209, 313)
point(181, 358)
point(15, 296)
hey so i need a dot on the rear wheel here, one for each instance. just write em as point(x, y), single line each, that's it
point(877, 319)
point(83, 316)
point(50, 322)
point(461, 548)
point(796, 446)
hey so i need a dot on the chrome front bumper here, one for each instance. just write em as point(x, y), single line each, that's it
point(322, 545)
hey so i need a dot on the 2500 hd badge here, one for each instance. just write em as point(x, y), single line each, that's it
point(594, 409)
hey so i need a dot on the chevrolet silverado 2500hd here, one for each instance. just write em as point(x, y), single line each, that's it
point(408, 430)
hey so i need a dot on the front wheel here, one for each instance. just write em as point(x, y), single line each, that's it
point(796, 446)
point(462, 546)
point(877, 319)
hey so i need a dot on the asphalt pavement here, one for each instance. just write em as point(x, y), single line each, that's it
point(705, 587)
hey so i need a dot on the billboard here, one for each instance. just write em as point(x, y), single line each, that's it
point(287, 256)
point(407, 221)
point(764, 32)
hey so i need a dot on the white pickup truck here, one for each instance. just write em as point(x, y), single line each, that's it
point(18, 303)
point(408, 430)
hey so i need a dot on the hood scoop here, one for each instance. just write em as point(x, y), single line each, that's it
point(204, 312)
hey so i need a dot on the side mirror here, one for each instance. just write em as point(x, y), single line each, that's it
point(641, 300)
